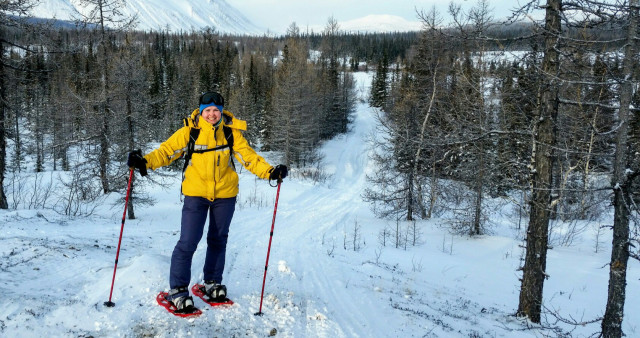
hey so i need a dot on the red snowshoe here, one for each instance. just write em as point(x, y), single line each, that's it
point(162, 301)
point(198, 290)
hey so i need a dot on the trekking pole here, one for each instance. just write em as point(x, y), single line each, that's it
point(126, 202)
point(266, 265)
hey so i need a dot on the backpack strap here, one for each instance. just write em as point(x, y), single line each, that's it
point(228, 135)
point(193, 136)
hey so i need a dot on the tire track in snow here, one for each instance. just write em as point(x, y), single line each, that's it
point(326, 209)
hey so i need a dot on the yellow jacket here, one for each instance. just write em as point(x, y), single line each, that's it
point(211, 174)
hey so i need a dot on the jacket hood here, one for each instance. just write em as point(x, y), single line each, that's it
point(227, 119)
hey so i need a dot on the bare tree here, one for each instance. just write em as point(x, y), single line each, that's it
point(621, 182)
point(544, 138)
point(406, 153)
point(102, 13)
point(129, 84)
point(470, 142)
point(10, 10)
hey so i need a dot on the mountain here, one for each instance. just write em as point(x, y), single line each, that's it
point(186, 15)
point(378, 24)
point(174, 15)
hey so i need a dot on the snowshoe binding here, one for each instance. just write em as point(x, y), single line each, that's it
point(178, 302)
point(212, 293)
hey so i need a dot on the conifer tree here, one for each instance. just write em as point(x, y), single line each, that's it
point(9, 11)
point(294, 123)
point(517, 95)
point(379, 84)
point(329, 82)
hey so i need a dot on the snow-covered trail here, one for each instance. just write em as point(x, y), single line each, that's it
point(306, 294)
point(56, 271)
point(322, 280)
point(306, 223)
point(305, 234)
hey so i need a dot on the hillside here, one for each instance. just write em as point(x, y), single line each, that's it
point(329, 276)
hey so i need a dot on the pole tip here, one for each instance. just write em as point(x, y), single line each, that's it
point(259, 313)
point(109, 304)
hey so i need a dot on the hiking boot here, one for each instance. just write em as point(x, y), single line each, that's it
point(179, 297)
point(215, 291)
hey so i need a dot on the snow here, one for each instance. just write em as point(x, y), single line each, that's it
point(376, 23)
point(187, 15)
point(56, 271)
point(174, 15)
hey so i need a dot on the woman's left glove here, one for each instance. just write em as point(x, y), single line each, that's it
point(279, 172)
point(136, 160)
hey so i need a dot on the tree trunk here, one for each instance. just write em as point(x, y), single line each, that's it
point(477, 223)
point(479, 188)
point(39, 136)
point(534, 269)
point(130, 210)
point(105, 108)
point(415, 181)
point(433, 195)
point(410, 196)
point(614, 313)
point(104, 150)
point(420, 199)
point(17, 156)
point(3, 142)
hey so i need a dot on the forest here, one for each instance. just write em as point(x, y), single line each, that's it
point(541, 113)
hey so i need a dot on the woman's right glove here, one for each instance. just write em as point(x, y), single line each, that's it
point(136, 160)
point(279, 172)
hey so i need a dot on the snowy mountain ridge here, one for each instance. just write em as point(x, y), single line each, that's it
point(174, 15)
point(187, 15)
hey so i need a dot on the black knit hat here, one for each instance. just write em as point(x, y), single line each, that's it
point(209, 99)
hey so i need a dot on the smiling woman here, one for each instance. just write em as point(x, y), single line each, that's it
point(210, 187)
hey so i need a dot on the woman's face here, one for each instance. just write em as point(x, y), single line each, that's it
point(211, 114)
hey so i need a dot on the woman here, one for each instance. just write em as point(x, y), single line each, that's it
point(210, 186)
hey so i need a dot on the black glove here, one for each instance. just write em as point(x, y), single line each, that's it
point(279, 172)
point(136, 160)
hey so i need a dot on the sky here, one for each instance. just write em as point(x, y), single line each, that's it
point(277, 15)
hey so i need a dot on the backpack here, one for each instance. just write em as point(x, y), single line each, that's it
point(193, 136)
